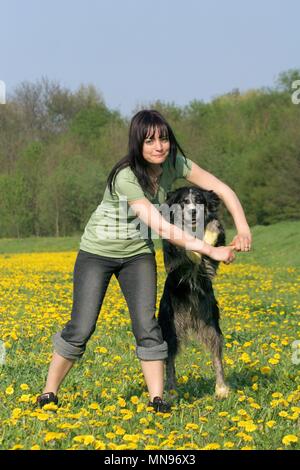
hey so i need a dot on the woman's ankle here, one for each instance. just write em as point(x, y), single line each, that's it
point(50, 390)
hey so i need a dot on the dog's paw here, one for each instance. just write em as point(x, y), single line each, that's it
point(222, 391)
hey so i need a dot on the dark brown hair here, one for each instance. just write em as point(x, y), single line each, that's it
point(144, 124)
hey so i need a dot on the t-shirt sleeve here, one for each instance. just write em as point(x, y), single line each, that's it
point(183, 167)
point(127, 185)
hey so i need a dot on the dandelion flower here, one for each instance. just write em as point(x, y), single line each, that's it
point(289, 439)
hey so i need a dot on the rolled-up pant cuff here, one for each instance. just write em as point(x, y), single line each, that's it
point(154, 353)
point(66, 350)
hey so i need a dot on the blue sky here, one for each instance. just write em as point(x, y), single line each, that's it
point(138, 51)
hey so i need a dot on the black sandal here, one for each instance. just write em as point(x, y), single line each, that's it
point(159, 405)
point(47, 398)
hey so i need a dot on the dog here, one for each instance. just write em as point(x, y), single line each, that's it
point(188, 301)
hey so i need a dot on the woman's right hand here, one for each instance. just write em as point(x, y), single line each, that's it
point(223, 253)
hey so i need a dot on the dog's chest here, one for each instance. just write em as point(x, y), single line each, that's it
point(191, 280)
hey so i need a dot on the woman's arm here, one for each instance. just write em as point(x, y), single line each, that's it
point(204, 179)
point(148, 214)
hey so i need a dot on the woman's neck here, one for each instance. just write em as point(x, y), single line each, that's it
point(155, 169)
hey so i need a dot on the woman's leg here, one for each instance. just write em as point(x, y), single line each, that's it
point(137, 279)
point(154, 377)
point(91, 277)
point(58, 370)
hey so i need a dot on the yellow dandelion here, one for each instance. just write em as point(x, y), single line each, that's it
point(50, 407)
point(16, 413)
point(128, 416)
point(42, 416)
point(119, 431)
point(94, 406)
point(277, 395)
point(289, 439)
point(110, 408)
point(84, 439)
point(245, 358)
point(144, 421)
point(24, 398)
point(52, 436)
point(203, 419)
point(193, 426)
point(9, 390)
point(256, 406)
point(121, 402)
point(99, 445)
point(242, 398)
point(212, 446)
point(24, 387)
point(229, 444)
point(273, 361)
point(250, 427)
point(183, 379)
point(134, 400)
point(271, 423)
point(244, 436)
point(149, 432)
point(131, 438)
point(101, 350)
point(265, 370)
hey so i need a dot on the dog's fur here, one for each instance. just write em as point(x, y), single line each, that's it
point(188, 301)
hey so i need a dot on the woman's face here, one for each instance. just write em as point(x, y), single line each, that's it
point(156, 149)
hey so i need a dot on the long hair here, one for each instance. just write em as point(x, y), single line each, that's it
point(144, 124)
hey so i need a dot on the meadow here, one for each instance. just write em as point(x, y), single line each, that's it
point(103, 401)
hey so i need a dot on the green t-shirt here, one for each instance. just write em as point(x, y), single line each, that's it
point(113, 229)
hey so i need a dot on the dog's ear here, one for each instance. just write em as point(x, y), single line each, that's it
point(212, 200)
point(172, 197)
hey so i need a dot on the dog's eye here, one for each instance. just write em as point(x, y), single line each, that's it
point(199, 200)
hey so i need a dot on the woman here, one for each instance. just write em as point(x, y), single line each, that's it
point(113, 243)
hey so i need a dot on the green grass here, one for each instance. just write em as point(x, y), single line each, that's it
point(260, 322)
point(274, 245)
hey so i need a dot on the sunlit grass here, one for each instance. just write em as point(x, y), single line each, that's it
point(103, 400)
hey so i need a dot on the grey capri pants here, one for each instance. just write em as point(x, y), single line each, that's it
point(137, 277)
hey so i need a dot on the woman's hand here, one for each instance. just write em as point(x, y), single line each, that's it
point(242, 241)
point(223, 253)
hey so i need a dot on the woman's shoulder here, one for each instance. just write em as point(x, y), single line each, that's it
point(125, 173)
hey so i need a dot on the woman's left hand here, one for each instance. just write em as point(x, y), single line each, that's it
point(242, 241)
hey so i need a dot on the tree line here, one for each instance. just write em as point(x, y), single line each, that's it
point(57, 147)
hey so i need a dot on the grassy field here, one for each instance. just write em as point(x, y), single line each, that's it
point(103, 399)
point(274, 245)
